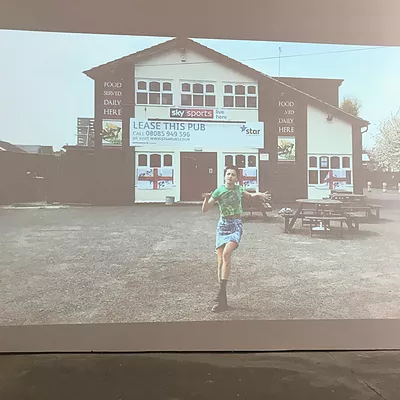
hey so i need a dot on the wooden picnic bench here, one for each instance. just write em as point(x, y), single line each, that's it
point(254, 205)
point(324, 212)
point(357, 203)
point(354, 219)
point(318, 222)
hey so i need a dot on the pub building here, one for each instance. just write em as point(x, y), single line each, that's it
point(184, 112)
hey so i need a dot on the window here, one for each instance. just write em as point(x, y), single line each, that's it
point(348, 177)
point(324, 162)
point(240, 161)
point(142, 160)
point(321, 166)
point(154, 171)
point(335, 162)
point(247, 163)
point(346, 162)
point(167, 160)
point(252, 161)
point(313, 177)
point(198, 94)
point(240, 96)
point(228, 160)
point(154, 160)
point(154, 92)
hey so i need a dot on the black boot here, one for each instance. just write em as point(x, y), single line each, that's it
point(221, 298)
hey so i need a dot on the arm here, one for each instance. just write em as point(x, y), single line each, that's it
point(207, 202)
point(265, 195)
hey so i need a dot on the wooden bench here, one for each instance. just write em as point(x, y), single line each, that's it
point(254, 205)
point(347, 207)
point(325, 222)
point(287, 217)
point(376, 208)
point(354, 218)
point(305, 214)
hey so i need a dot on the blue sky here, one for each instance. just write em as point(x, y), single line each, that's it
point(43, 89)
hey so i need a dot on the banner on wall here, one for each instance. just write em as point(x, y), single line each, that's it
point(334, 180)
point(248, 178)
point(197, 134)
point(111, 132)
point(201, 113)
point(155, 178)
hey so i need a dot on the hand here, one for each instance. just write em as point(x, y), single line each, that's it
point(206, 195)
point(265, 195)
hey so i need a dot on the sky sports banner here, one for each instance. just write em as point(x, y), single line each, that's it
point(197, 134)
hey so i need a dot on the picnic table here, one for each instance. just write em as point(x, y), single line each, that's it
point(255, 204)
point(320, 212)
point(356, 203)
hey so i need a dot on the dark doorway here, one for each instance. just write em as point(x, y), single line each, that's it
point(198, 175)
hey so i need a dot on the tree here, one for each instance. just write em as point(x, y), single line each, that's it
point(388, 143)
point(351, 105)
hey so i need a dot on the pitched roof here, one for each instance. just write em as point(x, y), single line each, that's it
point(6, 146)
point(179, 42)
point(36, 148)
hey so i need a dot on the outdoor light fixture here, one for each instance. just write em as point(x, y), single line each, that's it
point(183, 54)
point(329, 118)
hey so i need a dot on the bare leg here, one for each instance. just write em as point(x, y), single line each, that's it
point(220, 251)
point(226, 259)
point(225, 271)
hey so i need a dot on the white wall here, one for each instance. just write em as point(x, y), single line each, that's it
point(143, 195)
point(168, 66)
point(196, 68)
point(328, 139)
point(325, 137)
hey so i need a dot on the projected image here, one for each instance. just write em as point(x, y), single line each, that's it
point(148, 179)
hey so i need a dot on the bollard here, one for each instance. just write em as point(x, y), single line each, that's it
point(369, 186)
point(384, 187)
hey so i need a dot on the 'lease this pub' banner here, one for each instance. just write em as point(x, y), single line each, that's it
point(196, 134)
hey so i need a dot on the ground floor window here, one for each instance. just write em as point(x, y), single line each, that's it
point(248, 166)
point(154, 171)
point(332, 171)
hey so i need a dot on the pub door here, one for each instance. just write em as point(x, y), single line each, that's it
point(198, 175)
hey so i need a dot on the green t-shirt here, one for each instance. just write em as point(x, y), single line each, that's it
point(229, 200)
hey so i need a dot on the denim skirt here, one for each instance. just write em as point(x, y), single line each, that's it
point(228, 230)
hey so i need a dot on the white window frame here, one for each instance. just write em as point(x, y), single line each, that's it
point(247, 156)
point(148, 92)
point(191, 93)
point(246, 95)
point(149, 154)
point(319, 169)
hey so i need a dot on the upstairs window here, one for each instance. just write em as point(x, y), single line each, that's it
point(197, 94)
point(240, 96)
point(153, 92)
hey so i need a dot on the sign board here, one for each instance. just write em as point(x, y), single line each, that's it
point(286, 117)
point(196, 134)
point(200, 113)
point(111, 98)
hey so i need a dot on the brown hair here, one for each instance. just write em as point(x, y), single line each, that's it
point(232, 167)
